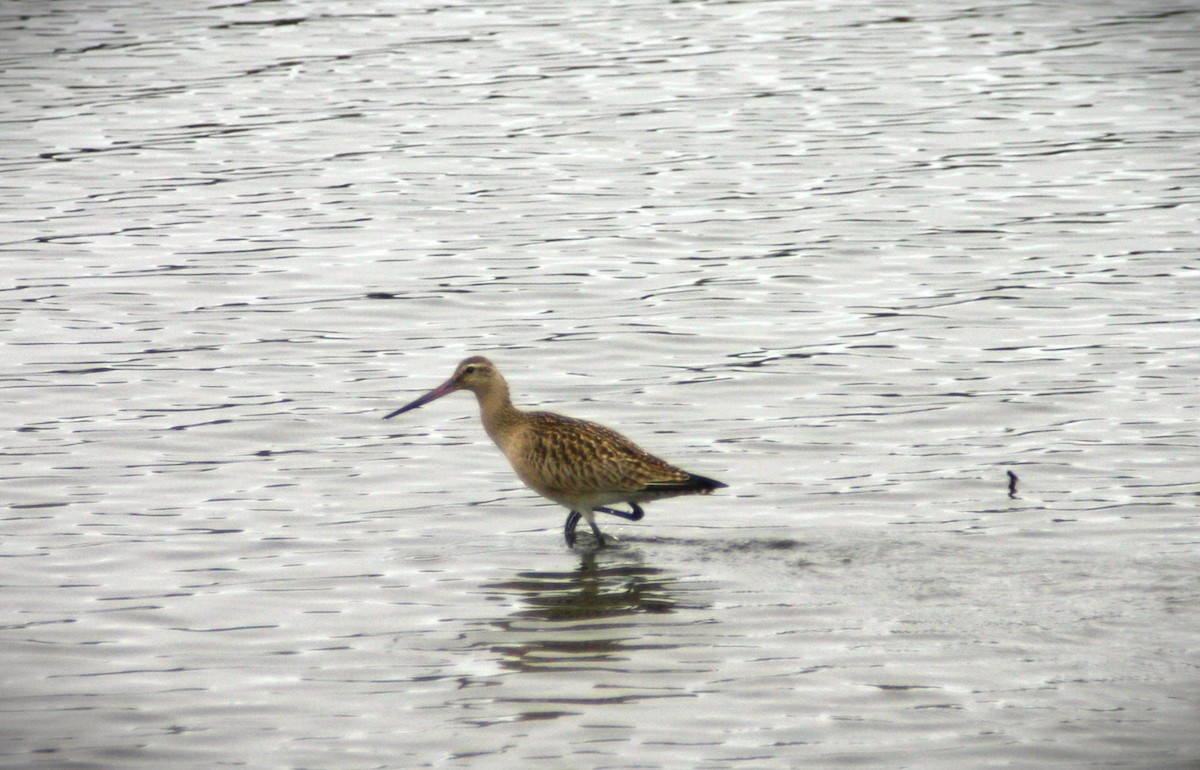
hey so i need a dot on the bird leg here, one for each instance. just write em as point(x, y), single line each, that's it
point(569, 530)
point(573, 518)
point(635, 515)
point(600, 541)
point(573, 521)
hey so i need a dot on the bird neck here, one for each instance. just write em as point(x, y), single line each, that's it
point(496, 408)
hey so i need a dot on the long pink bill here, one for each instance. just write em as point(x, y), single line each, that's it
point(444, 389)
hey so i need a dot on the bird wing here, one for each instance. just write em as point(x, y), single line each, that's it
point(571, 457)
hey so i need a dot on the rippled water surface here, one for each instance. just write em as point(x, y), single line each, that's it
point(857, 260)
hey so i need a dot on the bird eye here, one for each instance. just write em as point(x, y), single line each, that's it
point(470, 369)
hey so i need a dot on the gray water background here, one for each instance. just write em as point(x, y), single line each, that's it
point(855, 259)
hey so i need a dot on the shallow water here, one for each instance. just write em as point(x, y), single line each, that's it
point(892, 253)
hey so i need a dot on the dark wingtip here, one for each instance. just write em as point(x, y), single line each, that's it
point(690, 485)
point(705, 484)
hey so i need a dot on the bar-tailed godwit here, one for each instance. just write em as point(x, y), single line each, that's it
point(577, 464)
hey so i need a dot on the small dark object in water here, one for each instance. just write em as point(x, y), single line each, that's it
point(1012, 484)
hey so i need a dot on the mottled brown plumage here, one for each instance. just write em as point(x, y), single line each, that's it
point(578, 464)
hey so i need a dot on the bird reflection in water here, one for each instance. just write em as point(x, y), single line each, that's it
point(595, 615)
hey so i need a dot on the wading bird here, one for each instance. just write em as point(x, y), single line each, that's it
point(577, 464)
